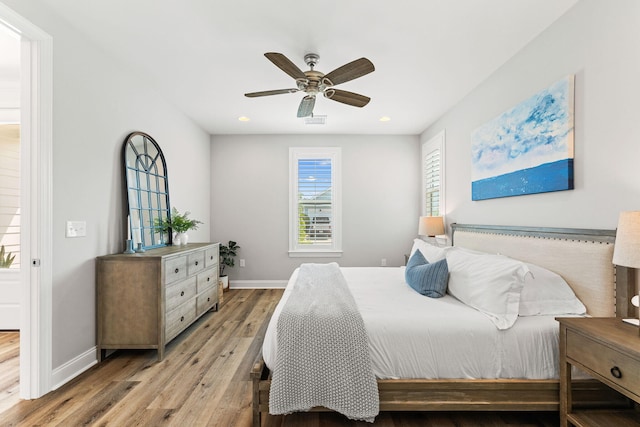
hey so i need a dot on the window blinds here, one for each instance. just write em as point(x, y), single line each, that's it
point(315, 201)
point(431, 168)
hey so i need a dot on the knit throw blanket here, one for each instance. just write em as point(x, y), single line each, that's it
point(323, 352)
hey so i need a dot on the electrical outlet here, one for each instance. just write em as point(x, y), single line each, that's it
point(383, 262)
point(76, 229)
point(242, 263)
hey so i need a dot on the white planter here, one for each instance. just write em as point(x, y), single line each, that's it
point(184, 238)
point(225, 282)
point(180, 239)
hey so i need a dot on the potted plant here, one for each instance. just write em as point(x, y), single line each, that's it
point(179, 225)
point(227, 255)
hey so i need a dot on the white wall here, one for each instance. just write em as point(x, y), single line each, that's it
point(97, 103)
point(250, 190)
point(598, 41)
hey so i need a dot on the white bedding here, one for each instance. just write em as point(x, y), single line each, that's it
point(413, 336)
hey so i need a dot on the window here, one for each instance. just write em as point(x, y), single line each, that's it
point(314, 202)
point(433, 176)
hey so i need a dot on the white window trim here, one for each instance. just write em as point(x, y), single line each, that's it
point(437, 142)
point(317, 250)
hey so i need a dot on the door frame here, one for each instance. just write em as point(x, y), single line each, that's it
point(35, 204)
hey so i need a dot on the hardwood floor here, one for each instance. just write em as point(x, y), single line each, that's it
point(204, 381)
point(9, 368)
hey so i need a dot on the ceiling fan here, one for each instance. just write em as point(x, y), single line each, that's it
point(313, 82)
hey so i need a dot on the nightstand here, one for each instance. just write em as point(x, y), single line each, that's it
point(608, 350)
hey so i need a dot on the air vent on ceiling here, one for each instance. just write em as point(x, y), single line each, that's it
point(315, 120)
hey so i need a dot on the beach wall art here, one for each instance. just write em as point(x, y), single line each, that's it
point(528, 149)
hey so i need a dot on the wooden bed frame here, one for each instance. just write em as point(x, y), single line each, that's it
point(582, 257)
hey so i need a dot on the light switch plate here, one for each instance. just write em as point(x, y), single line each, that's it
point(76, 229)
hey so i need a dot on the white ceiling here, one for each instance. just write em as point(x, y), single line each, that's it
point(203, 55)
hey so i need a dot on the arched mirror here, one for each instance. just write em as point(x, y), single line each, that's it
point(147, 191)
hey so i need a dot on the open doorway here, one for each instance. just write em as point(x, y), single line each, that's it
point(9, 180)
point(35, 118)
point(10, 260)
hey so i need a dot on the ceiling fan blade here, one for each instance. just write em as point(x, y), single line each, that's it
point(347, 97)
point(270, 92)
point(350, 71)
point(306, 106)
point(285, 65)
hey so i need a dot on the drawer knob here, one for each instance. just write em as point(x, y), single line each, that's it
point(208, 279)
point(211, 258)
point(182, 293)
point(196, 262)
point(208, 299)
point(616, 372)
point(181, 318)
point(176, 271)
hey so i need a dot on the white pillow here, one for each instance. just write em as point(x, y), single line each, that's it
point(431, 253)
point(489, 283)
point(547, 293)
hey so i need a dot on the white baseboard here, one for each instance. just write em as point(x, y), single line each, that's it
point(65, 373)
point(257, 284)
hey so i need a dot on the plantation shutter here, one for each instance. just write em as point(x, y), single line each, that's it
point(315, 201)
point(431, 170)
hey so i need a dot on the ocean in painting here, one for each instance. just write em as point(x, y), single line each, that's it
point(554, 176)
point(527, 149)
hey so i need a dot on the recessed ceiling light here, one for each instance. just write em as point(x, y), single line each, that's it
point(385, 119)
point(244, 118)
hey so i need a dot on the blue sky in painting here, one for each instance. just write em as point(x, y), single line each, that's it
point(539, 130)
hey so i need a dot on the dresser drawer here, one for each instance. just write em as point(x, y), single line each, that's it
point(175, 269)
point(195, 262)
point(178, 293)
point(179, 318)
point(206, 300)
point(211, 257)
point(207, 279)
point(610, 364)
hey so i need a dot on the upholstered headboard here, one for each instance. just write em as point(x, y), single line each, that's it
point(582, 257)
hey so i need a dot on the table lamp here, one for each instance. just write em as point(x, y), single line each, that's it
point(431, 226)
point(626, 251)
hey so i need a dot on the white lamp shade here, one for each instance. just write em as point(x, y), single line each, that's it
point(431, 226)
point(626, 251)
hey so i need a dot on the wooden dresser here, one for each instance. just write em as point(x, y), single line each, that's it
point(144, 300)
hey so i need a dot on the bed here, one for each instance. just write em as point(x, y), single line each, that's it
point(581, 257)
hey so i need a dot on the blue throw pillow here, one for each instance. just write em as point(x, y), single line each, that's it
point(428, 279)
